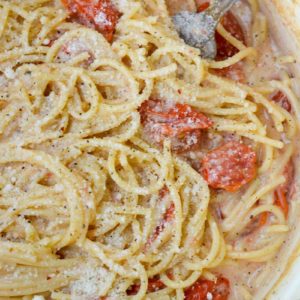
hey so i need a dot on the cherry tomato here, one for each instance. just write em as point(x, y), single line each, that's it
point(200, 290)
point(97, 14)
point(281, 99)
point(179, 122)
point(230, 166)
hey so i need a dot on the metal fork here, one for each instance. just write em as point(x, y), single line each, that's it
point(198, 29)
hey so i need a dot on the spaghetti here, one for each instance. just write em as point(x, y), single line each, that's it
point(129, 166)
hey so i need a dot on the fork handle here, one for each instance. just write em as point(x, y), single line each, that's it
point(219, 7)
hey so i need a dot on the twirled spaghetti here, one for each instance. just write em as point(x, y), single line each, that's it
point(103, 194)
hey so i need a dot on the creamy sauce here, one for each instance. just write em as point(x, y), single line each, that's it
point(265, 67)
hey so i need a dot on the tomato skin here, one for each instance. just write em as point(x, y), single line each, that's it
point(219, 290)
point(230, 166)
point(133, 290)
point(203, 6)
point(281, 99)
point(234, 72)
point(225, 49)
point(284, 191)
point(232, 25)
point(167, 218)
point(100, 15)
point(154, 285)
point(263, 219)
point(178, 122)
point(281, 201)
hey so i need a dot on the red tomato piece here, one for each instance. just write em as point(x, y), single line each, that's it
point(225, 49)
point(230, 166)
point(281, 99)
point(234, 72)
point(232, 25)
point(203, 6)
point(263, 219)
point(167, 218)
point(100, 15)
point(219, 290)
point(154, 285)
point(281, 200)
point(133, 290)
point(169, 214)
point(163, 192)
point(283, 192)
point(179, 122)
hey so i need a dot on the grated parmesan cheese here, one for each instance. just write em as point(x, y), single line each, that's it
point(38, 297)
point(9, 73)
point(7, 188)
point(101, 19)
point(46, 42)
point(93, 283)
point(59, 188)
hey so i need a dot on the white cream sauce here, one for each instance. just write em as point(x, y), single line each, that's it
point(244, 275)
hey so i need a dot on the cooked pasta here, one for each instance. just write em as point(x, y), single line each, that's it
point(116, 149)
